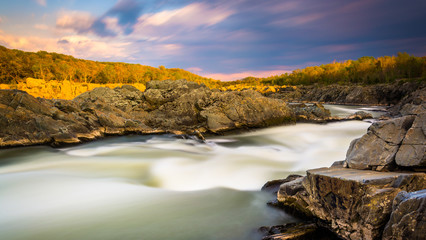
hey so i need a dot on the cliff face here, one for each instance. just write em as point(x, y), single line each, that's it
point(379, 191)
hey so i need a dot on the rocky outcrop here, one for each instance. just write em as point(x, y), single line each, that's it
point(380, 94)
point(355, 204)
point(166, 106)
point(378, 192)
point(183, 108)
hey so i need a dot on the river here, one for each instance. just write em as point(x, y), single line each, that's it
point(160, 186)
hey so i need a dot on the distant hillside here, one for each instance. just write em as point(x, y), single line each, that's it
point(58, 69)
point(365, 70)
point(16, 66)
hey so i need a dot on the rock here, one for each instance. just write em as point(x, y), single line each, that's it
point(355, 204)
point(274, 185)
point(186, 107)
point(296, 231)
point(179, 106)
point(412, 103)
point(408, 218)
point(392, 131)
point(378, 148)
point(360, 115)
point(413, 148)
point(312, 112)
point(378, 94)
point(370, 152)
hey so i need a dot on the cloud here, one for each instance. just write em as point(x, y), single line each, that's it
point(92, 48)
point(78, 21)
point(333, 48)
point(119, 20)
point(190, 16)
point(41, 27)
point(299, 20)
point(194, 69)
point(78, 46)
point(127, 12)
point(41, 2)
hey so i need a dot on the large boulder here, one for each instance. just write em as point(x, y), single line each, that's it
point(389, 144)
point(408, 218)
point(355, 204)
point(413, 147)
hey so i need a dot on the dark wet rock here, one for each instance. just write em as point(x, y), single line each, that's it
point(274, 185)
point(408, 218)
point(355, 204)
point(296, 231)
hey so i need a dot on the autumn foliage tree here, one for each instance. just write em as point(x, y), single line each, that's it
point(16, 66)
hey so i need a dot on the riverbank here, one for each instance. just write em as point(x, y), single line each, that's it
point(179, 107)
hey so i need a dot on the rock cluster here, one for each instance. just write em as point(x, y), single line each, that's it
point(380, 94)
point(379, 191)
point(166, 106)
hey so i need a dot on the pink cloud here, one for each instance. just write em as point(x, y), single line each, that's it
point(194, 14)
point(194, 69)
point(299, 20)
point(41, 2)
point(338, 48)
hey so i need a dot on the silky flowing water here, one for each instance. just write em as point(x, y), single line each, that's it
point(161, 187)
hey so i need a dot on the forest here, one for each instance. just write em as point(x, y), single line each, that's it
point(17, 65)
point(365, 71)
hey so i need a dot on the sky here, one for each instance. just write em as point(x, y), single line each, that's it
point(221, 39)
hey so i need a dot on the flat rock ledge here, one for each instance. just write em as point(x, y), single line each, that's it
point(355, 204)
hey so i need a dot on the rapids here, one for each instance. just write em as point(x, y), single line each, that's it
point(161, 187)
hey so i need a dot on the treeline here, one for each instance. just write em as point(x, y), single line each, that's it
point(16, 66)
point(365, 70)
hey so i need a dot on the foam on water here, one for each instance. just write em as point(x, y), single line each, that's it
point(154, 187)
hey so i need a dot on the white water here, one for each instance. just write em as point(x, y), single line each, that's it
point(160, 187)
